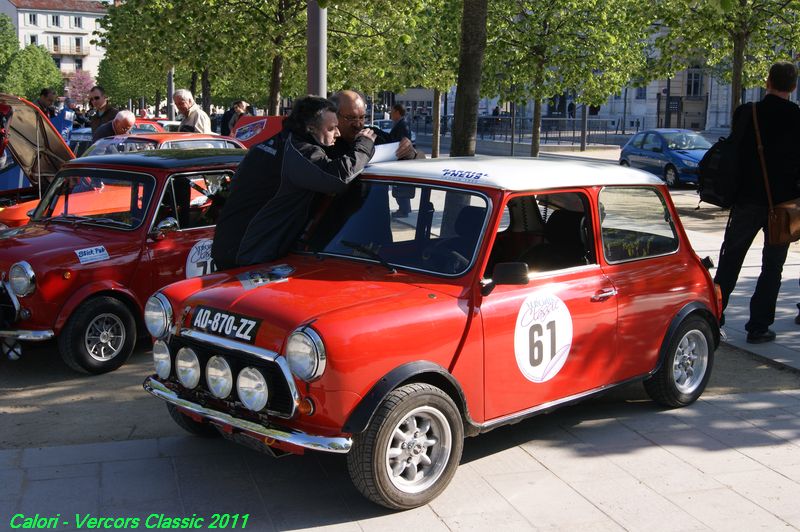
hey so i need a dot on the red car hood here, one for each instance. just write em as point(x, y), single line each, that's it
point(33, 141)
point(56, 244)
point(312, 288)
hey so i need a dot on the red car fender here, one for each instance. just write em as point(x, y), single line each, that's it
point(92, 289)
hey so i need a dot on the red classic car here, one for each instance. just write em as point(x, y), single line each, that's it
point(108, 232)
point(513, 287)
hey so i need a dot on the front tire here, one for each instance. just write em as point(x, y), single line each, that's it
point(411, 449)
point(685, 371)
point(671, 176)
point(99, 336)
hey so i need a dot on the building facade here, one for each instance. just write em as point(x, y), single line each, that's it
point(64, 27)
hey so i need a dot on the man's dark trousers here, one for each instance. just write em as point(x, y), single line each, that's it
point(745, 221)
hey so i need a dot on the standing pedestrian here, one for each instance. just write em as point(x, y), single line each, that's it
point(779, 125)
point(400, 131)
point(103, 111)
point(46, 101)
point(195, 120)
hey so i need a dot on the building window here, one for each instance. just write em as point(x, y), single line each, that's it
point(694, 83)
point(56, 44)
point(78, 44)
point(78, 64)
point(33, 19)
point(57, 61)
point(641, 93)
point(77, 22)
point(55, 20)
point(34, 39)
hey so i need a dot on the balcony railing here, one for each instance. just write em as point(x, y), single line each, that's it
point(68, 49)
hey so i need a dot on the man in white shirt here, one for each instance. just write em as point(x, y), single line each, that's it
point(195, 120)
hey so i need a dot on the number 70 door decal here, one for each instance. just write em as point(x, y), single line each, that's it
point(542, 336)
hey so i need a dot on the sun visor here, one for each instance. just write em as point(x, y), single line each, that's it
point(32, 140)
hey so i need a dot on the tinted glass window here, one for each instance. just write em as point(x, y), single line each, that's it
point(635, 224)
point(637, 140)
point(440, 235)
point(651, 142)
point(686, 140)
point(112, 145)
point(195, 144)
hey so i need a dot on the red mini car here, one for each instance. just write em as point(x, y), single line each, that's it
point(514, 286)
point(108, 232)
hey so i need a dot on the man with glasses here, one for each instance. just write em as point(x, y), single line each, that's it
point(123, 122)
point(103, 111)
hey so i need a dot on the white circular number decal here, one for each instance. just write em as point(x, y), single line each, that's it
point(542, 337)
point(199, 261)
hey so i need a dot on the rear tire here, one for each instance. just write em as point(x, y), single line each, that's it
point(204, 430)
point(99, 336)
point(411, 449)
point(685, 371)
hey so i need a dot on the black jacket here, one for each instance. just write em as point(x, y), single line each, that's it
point(272, 193)
point(225, 128)
point(400, 130)
point(779, 124)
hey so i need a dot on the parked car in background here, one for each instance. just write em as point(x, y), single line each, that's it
point(80, 139)
point(514, 286)
point(165, 141)
point(169, 125)
point(108, 232)
point(672, 154)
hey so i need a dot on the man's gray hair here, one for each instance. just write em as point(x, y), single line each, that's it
point(183, 94)
point(125, 115)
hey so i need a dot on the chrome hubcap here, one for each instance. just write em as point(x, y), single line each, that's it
point(690, 362)
point(418, 450)
point(104, 337)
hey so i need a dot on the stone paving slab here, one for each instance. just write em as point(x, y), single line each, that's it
point(604, 466)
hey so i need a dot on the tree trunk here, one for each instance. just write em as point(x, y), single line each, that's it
point(584, 125)
point(206, 85)
point(157, 112)
point(274, 104)
point(536, 133)
point(193, 85)
point(624, 109)
point(473, 46)
point(437, 123)
point(739, 45)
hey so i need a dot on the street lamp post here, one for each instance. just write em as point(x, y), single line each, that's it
point(317, 50)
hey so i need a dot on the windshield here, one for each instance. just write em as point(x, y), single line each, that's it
point(439, 234)
point(686, 141)
point(111, 145)
point(113, 199)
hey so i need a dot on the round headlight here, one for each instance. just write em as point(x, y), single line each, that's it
point(252, 389)
point(22, 279)
point(305, 353)
point(187, 366)
point(157, 315)
point(161, 359)
point(219, 377)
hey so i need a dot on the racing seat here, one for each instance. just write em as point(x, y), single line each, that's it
point(566, 243)
point(453, 255)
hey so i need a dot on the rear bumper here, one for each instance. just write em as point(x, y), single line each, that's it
point(280, 434)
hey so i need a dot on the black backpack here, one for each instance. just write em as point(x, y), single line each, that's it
point(719, 168)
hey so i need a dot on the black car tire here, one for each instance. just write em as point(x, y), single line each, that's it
point(671, 176)
point(686, 368)
point(99, 336)
point(418, 432)
point(204, 430)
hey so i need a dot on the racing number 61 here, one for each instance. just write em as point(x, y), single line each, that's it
point(537, 348)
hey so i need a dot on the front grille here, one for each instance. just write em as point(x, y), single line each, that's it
point(280, 396)
point(8, 313)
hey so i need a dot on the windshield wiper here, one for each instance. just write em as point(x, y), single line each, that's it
point(371, 253)
point(73, 218)
point(100, 219)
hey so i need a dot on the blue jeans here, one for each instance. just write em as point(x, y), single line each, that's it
point(744, 223)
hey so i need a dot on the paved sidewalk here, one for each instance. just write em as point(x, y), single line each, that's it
point(726, 463)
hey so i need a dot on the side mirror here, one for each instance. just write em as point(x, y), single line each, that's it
point(167, 225)
point(509, 273)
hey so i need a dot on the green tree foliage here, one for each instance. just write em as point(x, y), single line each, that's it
point(540, 49)
point(29, 71)
point(737, 42)
point(9, 45)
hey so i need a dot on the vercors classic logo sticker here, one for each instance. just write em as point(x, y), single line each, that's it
point(542, 337)
point(199, 261)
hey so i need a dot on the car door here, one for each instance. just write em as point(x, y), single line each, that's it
point(634, 151)
point(179, 242)
point(651, 153)
point(554, 338)
point(639, 256)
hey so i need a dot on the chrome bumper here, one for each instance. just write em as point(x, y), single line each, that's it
point(31, 336)
point(293, 437)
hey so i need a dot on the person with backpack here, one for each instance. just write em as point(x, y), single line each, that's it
point(779, 125)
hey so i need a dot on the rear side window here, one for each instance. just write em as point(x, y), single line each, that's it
point(635, 224)
point(637, 140)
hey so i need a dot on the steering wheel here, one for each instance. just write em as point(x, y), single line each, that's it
point(444, 258)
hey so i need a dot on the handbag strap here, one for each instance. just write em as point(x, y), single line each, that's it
point(761, 157)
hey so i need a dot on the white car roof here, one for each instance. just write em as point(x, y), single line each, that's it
point(518, 173)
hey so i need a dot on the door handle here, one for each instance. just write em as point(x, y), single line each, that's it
point(602, 295)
